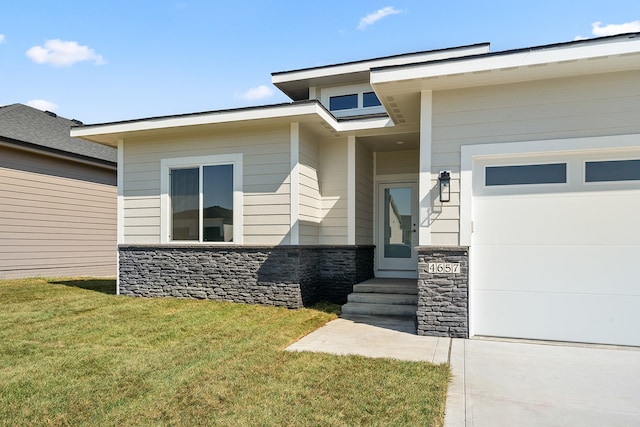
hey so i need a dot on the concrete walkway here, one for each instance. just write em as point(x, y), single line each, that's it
point(501, 382)
point(374, 336)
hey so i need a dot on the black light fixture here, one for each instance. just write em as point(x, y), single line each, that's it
point(445, 186)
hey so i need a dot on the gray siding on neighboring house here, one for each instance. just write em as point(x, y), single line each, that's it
point(57, 216)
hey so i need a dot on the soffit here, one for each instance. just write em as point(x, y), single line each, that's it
point(398, 88)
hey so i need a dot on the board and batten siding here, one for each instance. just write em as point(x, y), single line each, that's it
point(364, 195)
point(266, 183)
point(596, 105)
point(57, 217)
point(309, 199)
point(333, 187)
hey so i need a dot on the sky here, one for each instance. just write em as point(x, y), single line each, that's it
point(102, 61)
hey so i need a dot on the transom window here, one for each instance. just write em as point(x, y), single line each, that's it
point(612, 170)
point(552, 173)
point(369, 99)
point(351, 100)
point(343, 102)
point(202, 202)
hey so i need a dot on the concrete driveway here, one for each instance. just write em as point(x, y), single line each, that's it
point(506, 383)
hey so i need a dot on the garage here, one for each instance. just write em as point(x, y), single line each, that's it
point(555, 240)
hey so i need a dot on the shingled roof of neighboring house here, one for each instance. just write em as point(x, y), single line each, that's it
point(33, 128)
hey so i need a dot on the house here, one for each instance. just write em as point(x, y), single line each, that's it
point(57, 198)
point(517, 171)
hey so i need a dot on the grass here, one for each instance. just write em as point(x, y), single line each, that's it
point(72, 353)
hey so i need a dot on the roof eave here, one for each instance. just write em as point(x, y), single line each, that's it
point(36, 148)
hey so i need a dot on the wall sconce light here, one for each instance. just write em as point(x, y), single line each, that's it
point(445, 186)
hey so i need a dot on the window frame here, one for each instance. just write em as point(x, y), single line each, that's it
point(612, 182)
point(526, 184)
point(166, 165)
point(357, 89)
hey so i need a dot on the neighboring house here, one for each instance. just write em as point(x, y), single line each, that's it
point(535, 234)
point(57, 198)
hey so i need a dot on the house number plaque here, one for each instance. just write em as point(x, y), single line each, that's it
point(443, 267)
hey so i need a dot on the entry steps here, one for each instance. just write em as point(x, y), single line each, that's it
point(383, 297)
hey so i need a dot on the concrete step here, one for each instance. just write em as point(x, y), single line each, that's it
point(351, 308)
point(408, 287)
point(381, 298)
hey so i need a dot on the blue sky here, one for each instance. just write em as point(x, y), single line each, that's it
point(104, 61)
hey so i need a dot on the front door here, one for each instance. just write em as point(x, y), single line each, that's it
point(397, 229)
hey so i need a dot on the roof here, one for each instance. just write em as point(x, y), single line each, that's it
point(398, 83)
point(296, 83)
point(309, 111)
point(33, 128)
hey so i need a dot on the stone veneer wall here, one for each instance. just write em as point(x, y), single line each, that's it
point(288, 276)
point(443, 299)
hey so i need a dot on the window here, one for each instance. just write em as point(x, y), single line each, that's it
point(202, 199)
point(554, 173)
point(612, 170)
point(343, 102)
point(369, 99)
point(351, 100)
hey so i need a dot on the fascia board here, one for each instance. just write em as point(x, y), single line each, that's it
point(365, 66)
point(357, 125)
point(288, 111)
point(506, 61)
point(195, 120)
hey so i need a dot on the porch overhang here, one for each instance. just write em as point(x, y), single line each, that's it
point(311, 113)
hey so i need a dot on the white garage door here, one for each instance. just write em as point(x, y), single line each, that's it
point(555, 248)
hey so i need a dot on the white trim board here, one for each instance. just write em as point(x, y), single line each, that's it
point(294, 191)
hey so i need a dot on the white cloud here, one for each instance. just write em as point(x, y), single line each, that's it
point(2, 38)
point(259, 92)
point(372, 18)
point(43, 105)
point(612, 29)
point(61, 53)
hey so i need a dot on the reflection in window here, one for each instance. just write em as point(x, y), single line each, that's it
point(217, 204)
point(554, 173)
point(217, 215)
point(612, 170)
point(397, 222)
point(185, 214)
point(369, 99)
point(343, 102)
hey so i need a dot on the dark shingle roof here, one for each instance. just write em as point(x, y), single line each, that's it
point(21, 123)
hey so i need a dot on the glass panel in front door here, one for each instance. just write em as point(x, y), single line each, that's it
point(398, 223)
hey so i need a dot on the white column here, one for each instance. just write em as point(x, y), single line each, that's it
point(119, 208)
point(294, 178)
point(351, 190)
point(424, 185)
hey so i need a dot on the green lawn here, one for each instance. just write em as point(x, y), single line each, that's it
point(72, 353)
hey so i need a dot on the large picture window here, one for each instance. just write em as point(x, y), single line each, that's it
point(201, 201)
